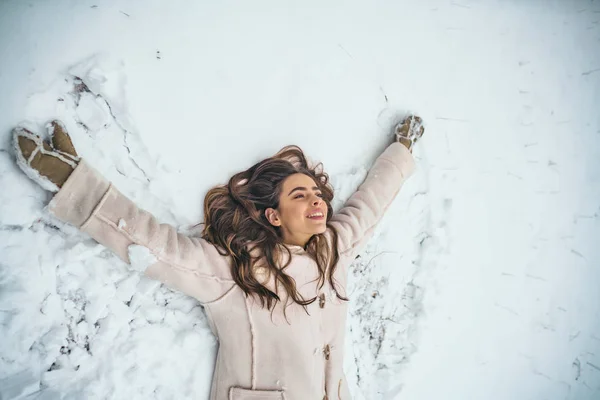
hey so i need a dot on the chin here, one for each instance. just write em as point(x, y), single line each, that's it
point(320, 230)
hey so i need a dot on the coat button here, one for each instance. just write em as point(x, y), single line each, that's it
point(322, 300)
point(326, 352)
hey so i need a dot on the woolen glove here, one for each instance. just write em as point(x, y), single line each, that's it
point(409, 131)
point(48, 164)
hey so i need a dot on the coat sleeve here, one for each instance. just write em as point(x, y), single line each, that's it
point(357, 219)
point(93, 205)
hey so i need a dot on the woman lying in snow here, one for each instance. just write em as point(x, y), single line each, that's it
point(271, 265)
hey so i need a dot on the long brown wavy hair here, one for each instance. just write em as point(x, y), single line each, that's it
point(236, 224)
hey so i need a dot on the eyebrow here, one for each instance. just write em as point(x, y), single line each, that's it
point(315, 188)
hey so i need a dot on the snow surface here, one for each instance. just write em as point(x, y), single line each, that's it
point(482, 281)
point(140, 257)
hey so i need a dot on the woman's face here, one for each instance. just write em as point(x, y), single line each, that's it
point(302, 212)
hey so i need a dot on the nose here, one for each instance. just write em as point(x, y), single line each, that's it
point(317, 200)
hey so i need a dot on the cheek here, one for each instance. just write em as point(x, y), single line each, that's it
point(293, 213)
point(297, 212)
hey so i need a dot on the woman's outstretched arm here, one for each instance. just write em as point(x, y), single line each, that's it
point(88, 201)
point(356, 221)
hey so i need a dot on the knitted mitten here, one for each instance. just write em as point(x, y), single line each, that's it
point(409, 131)
point(49, 165)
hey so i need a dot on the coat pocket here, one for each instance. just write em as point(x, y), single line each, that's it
point(236, 393)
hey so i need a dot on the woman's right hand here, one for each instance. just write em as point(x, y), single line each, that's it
point(48, 164)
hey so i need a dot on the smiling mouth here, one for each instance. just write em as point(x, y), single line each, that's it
point(316, 215)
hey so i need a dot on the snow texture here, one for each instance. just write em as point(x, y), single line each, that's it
point(140, 257)
point(481, 281)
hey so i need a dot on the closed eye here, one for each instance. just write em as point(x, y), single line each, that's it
point(299, 196)
point(304, 189)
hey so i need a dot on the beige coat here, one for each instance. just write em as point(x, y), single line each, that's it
point(259, 357)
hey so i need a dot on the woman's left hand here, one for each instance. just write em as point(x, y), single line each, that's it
point(409, 131)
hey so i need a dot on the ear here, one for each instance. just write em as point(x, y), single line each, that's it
point(273, 216)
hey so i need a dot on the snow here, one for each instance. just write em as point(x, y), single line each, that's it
point(140, 257)
point(482, 280)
